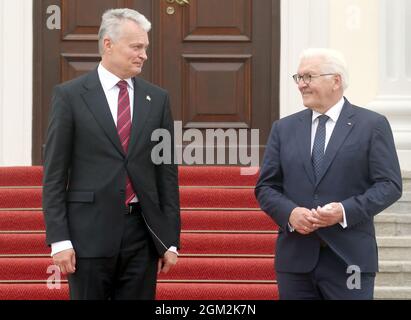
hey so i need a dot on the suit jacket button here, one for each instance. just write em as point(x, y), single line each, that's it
point(316, 196)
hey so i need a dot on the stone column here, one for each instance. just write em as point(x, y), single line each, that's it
point(304, 24)
point(16, 61)
point(394, 94)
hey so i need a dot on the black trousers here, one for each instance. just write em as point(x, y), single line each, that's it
point(131, 275)
point(328, 281)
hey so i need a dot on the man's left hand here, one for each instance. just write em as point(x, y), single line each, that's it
point(165, 263)
point(327, 216)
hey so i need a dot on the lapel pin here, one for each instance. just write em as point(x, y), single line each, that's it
point(349, 123)
point(148, 98)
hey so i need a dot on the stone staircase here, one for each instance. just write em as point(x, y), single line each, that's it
point(393, 228)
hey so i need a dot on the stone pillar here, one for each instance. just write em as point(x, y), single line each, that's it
point(394, 94)
point(304, 24)
point(16, 61)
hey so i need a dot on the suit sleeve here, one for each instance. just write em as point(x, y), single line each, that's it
point(57, 157)
point(385, 175)
point(167, 181)
point(269, 188)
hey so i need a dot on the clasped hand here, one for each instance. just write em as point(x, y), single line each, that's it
point(306, 221)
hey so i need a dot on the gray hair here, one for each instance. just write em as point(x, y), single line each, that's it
point(334, 62)
point(112, 20)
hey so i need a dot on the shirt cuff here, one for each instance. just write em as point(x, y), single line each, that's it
point(344, 222)
point(60, 246)
point(290, 228)
point(173, 249)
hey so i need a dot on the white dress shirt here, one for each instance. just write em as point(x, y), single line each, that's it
point(333, 113)
point(111, 90)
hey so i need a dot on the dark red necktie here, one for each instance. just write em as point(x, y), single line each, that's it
point(124, 129)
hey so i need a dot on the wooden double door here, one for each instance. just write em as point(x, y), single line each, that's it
point(219, 59)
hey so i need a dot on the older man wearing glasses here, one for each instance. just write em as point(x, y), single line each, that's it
point(327, 171)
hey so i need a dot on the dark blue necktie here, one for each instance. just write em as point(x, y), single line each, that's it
point(319, 145)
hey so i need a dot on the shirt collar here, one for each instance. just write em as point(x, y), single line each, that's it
point(333, 112)
point(109, 80)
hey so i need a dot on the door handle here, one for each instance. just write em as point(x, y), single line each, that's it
point(180, 2)
point(183, 2)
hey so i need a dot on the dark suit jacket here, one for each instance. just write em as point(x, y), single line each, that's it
point(85, 169)
point(360, 170)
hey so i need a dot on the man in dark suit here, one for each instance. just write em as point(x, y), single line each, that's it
point(112, 215)
point(327, 171)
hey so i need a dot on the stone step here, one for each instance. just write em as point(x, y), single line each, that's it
point(406, 181)
point(392, 293)
point(403, 205)
point(393, 224)
point(394, 248)
point(394, 274)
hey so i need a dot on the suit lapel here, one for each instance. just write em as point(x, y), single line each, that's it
point(97, 103)
point(303, 135)
point(342, 128)
point(141, 111)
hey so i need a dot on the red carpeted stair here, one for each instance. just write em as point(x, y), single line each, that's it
point(190, 198)
point(191, 244)
point(227, 243)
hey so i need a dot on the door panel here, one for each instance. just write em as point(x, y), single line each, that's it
point(216, 91)
point(205, 21)
point(81, 21)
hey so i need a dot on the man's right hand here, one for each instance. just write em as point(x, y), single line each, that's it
point(66, 261)
point(299, 220)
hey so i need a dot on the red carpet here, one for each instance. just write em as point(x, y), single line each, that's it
point(190, 220)
point(201, 176)
point(217, 291)
point(21, 176)
point(227, 242)
point(165, 291)
point(258, 269)
point(22, 220)
point(189, 197)
point(191, 243)
point(215, 176)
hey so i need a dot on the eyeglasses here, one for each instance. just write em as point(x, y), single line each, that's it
point(308, 77)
